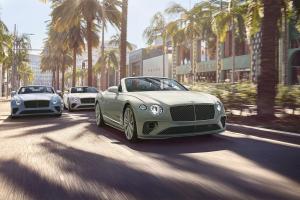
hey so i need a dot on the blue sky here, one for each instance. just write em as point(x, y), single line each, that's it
point(31, 16)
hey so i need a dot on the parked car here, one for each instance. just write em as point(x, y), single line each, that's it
point(78, 98)
point(154, 107)
point(36, 100)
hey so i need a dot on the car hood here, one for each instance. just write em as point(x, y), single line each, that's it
point(174, 97)
point(30, 97)
point(83, 95)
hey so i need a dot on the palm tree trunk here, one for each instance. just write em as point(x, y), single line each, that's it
point(267, 80)
point(218, 58)
point(63, 73)
point(285, 49)
point(233, 51)
point(164, 57)
point(57, 78)
point(53, 78)
point(116, 77)
point(1, 79)
point(89, 47)
point(123, 42)
point(103, 70)
point(74, 67)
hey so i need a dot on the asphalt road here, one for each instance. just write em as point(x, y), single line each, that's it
point(53, 158)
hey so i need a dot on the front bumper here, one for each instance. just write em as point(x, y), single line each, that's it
point(164, 127)
point(22, 111)
point(81, 106)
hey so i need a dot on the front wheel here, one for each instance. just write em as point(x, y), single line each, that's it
point(69, 106)
point(130, 125)
point(99, 117)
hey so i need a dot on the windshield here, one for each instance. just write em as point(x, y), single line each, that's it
point(152, 84)
point(35, 89)
point(84, 90)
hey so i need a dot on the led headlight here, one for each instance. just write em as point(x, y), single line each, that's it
point(18, 102)
point(219, 106)
point(54, 101)
point(75, 99)
point(156, 110)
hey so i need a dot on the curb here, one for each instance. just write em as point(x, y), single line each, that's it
point(264, 132)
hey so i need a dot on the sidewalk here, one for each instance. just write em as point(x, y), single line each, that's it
point(4, 99)
point(282, 136)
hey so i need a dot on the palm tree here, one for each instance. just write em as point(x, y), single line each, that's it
point(193, 23)
point(69, 12)
point(231, 20)
point(268, 78)
point(5, 44)
point(157, 30)
point(75, 39)
point(110, 61)
point(176, 34)
point(25, 74)
point(123, 40)
point(116, 41)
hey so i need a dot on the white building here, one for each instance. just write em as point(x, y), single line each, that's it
point(39, 77)
point(154, 66)
point(150, 62)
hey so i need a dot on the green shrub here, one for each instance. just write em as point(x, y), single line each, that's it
point(235, 96)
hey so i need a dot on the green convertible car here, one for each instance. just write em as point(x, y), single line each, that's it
point(154, 107)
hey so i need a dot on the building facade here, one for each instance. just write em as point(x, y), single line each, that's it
point(39, 77)
point(150, 62)
point(246, 64)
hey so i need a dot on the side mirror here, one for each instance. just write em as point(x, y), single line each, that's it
point(113, 89)
point(13, 93)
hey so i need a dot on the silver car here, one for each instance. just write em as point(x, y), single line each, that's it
point(36, 100)
point(78, 98)
point(154, 107)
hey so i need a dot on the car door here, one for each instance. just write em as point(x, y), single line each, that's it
point(113, 106)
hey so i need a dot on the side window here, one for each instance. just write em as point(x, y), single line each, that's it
point(120, 88)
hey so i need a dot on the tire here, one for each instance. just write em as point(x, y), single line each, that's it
point(69, 107)
point(99, 117)
point(130, 125)
point(65, 108)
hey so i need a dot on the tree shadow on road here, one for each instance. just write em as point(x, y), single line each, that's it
point(128, 180)
point(279, 158)
point(32, 184)
point(51, 123)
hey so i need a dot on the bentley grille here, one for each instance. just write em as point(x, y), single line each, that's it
point(192, 112)
point(87, 100)
point(36, 104)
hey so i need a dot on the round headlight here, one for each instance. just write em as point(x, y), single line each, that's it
point(75, 99)
point(54, 101)
point(156, 109)
point(18, 102)
point(219, 106)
